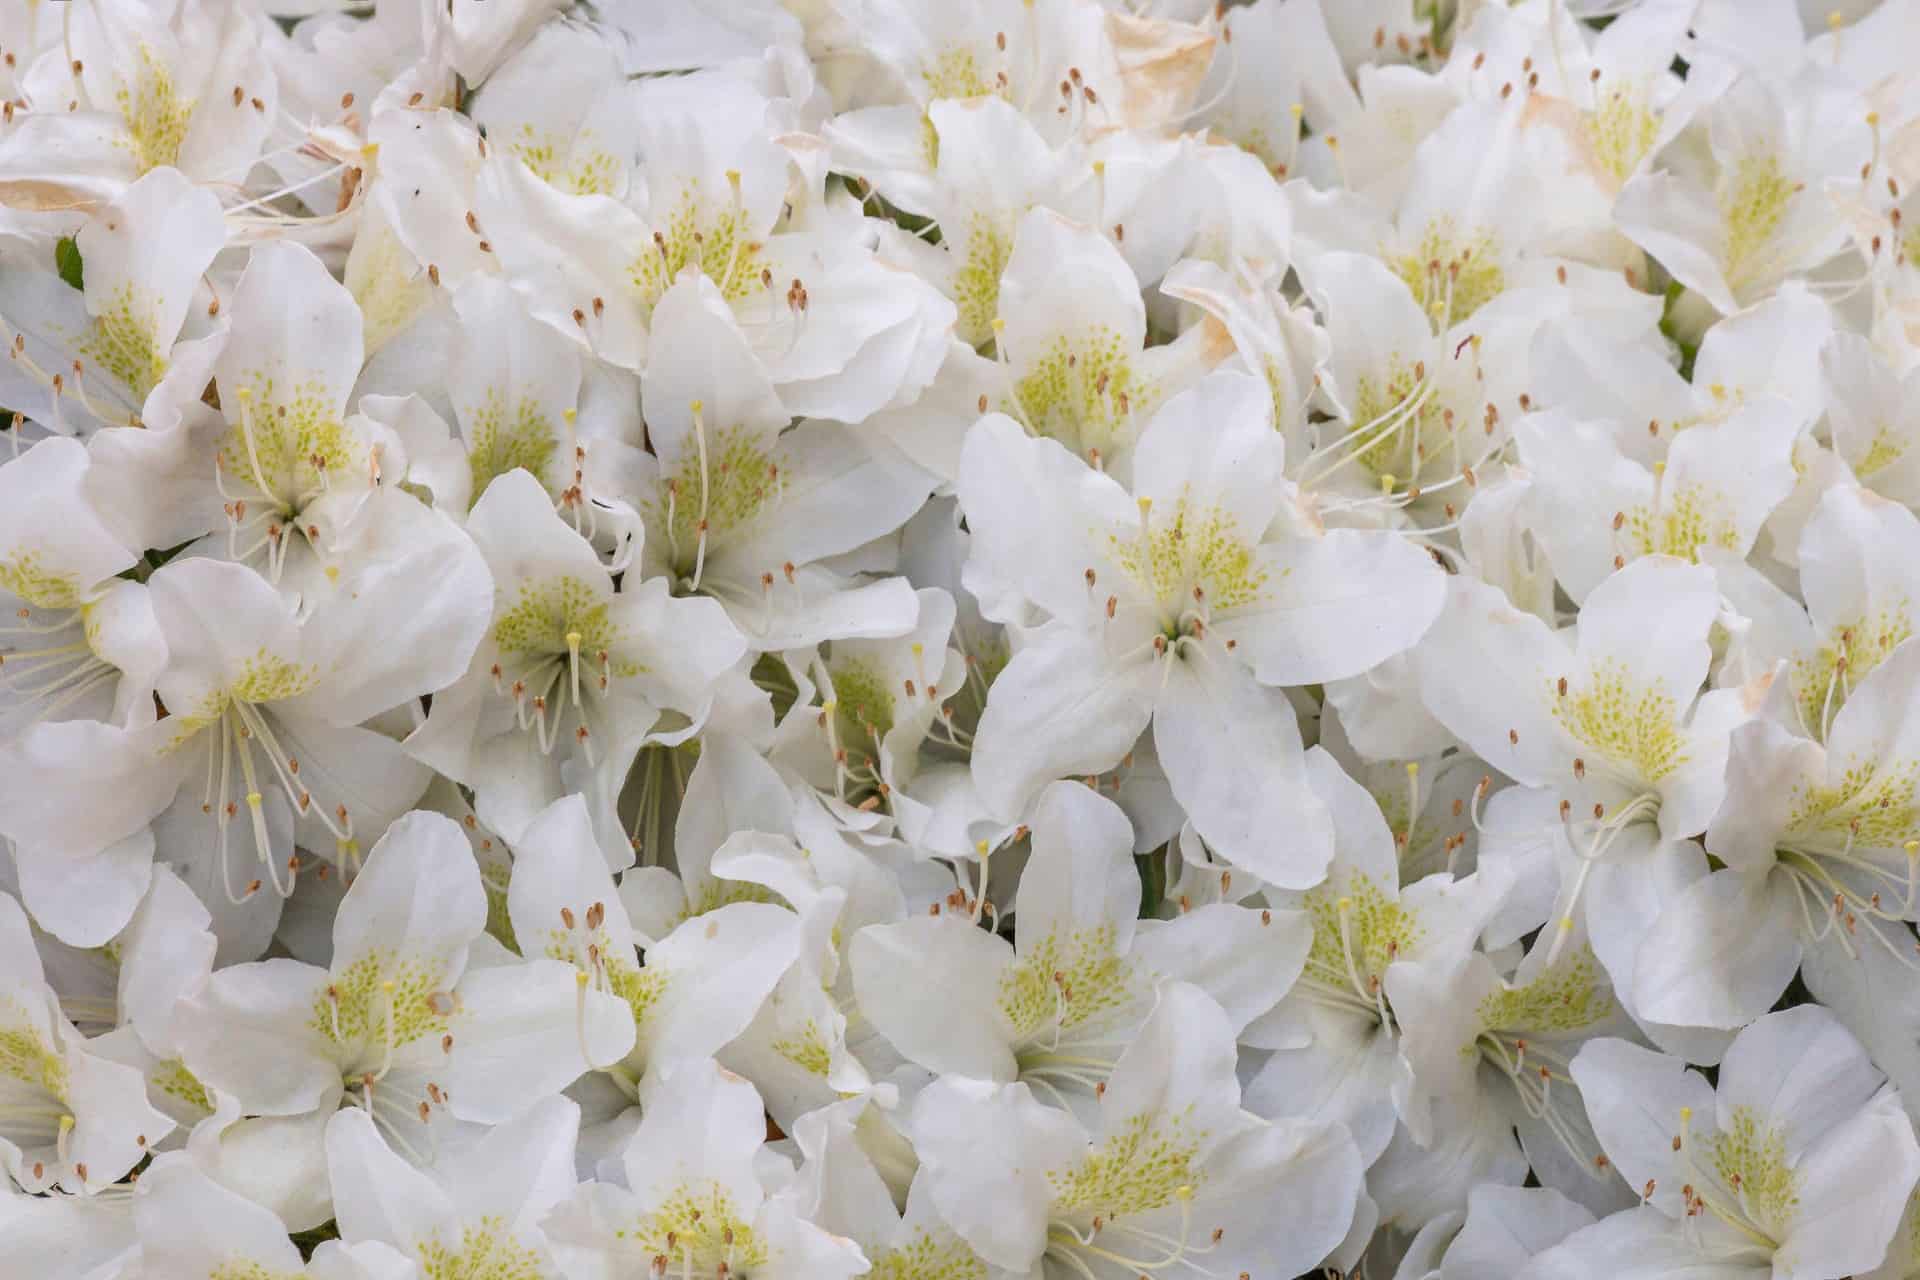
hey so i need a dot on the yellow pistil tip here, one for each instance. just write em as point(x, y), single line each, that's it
point(1566, 924)
point(580, 977)
point(386, 985)
point(1413, 768)
point(999, 323)
point(698, 406)
point(243, 393)
point(980, 847)
point(573, 639)
point(1344, 904)
point(1299, 109)
point(66, 1124)
point(571, 415)
point(253, 799)
point(1183, 1192)
point(1686, 1114)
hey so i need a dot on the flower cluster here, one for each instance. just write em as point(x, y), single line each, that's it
point(959, 639)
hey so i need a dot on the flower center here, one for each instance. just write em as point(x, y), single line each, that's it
point(155, 114)
point(1356, 936)
point(1630, 725)
point(501, 437)
point(486, 1251)
point(124, 340)
point(1191, 561)
point(697, 1232)
point(578, 168)
point(558, 649)
point(1450, 275)
point(1822, 682)
point(1081, 390)
point(1066, 980)
point(1753, 203)
point(1740, 1175)
point(714, 239)
point(1620, 129)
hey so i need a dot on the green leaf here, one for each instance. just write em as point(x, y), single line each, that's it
point(1688, 350)
point(1153, 881)
point(66, 260)
point(307, 1241)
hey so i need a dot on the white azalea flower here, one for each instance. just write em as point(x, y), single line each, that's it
point(1171, 1176)
point(1761, 1176)
point(743, 510)
point(79, 643)
point(701, 983)
point(1336, 1042)
point(119, 347)
point(1757, 207)
point(573, 676)
point(69, 1119)
point(1612, 721)
point(264, 732)
point(697, 1196)
point(1058, 1008)
point(407, 1022)
point(1817, 839)
point(129, 89)
point(1707, 499)
point(189, 1225)
point(1168, 607)
point(481, 1217)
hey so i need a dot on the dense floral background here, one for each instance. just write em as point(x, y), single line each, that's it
point(959, 639)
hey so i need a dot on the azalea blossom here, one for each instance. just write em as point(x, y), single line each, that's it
point(1019, 640)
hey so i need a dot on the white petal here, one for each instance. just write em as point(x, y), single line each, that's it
point(1061, 709)
point(191, 1224)
point(376, 1194)
point(1080, 877)
point(963, 1032)
point(1335, 605)
point(417, 900)
point(1232, 752)
point(1721, 953)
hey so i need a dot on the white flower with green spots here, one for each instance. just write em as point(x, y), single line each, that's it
point(573, 676)
point(124, 345)
point(1609, 726)
point(1798, 1164)
point(263, 733)
point(415, 1021)
point(192, 1226)
point(699, 986)
point(1057, 1007)
point(1181, 604)
point(1169, 1178)
point(701, 1196)
point(1821, 853)
point(1734, 224)
point(71, 1120)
